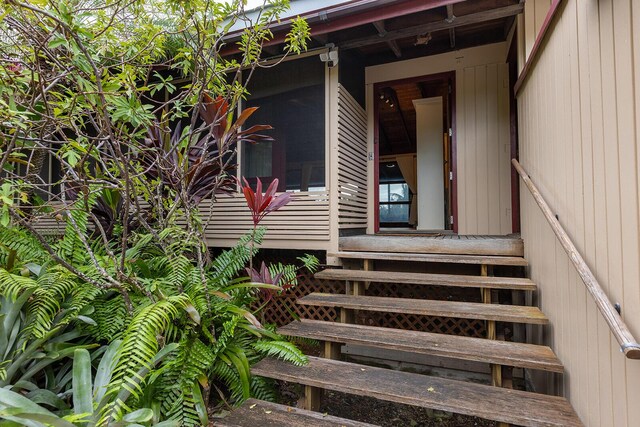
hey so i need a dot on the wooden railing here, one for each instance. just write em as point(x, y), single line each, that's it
point(628, 344)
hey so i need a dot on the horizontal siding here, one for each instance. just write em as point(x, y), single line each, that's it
point(304, 219)
point(579, 117)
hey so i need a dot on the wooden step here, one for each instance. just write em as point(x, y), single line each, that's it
point(452, 346)
point(462, 310)
point(258, 413)
point(440, 258)
point(450, 244)
point(491, 282)
point(493, 403)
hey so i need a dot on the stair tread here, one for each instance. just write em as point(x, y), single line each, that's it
point(494, 403)
point(428, 279)
point(443, 258)
point(255, 412)
point(476, 349)
point(456, 309)
point(445, 244)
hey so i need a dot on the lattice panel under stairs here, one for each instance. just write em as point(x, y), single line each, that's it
point(280, 310)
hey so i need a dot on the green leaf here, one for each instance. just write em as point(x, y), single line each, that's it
point(82, 390)
point(105, 370)
point(57, 41)
point(140, 416)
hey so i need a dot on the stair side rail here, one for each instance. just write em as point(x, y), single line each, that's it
point(628, 344)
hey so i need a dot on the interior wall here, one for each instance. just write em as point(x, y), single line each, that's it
point(481, 131)
point(430, 159)
point(579, 116)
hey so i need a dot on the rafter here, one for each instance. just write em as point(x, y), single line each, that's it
point(452, 31)
point(459, 21)
point(393, 45)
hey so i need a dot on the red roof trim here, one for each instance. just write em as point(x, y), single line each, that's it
point(356, 18)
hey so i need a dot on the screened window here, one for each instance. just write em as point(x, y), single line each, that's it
point(291, 98)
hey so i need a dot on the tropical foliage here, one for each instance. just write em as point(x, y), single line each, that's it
point(123, 317)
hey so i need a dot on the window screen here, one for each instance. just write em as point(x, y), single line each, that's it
point(291, 98)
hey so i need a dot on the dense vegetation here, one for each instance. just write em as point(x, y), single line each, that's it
point(123, 317)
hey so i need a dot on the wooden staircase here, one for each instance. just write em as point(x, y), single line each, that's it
point(362, 266)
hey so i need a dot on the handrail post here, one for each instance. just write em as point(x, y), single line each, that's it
point(628, 344)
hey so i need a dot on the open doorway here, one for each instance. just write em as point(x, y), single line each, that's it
point(415, 154)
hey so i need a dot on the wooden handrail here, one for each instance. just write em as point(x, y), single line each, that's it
point(628, 344)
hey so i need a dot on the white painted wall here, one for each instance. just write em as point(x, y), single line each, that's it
point(430, 157)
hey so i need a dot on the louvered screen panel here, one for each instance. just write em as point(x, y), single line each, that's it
point(352, 161)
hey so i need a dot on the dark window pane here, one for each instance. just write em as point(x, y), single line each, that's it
point(291, 98)
point(394, 213)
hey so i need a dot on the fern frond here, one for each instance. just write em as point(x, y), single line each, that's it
point(180, 397)
point(71, 247)
point(288, 271)
point(12, 285)
point(138, 349)
point(109, 314)
point(53, 289)
point(27, 248)
point(263, 388)
point(282, 350)
point(227, 265)
point(310, 262)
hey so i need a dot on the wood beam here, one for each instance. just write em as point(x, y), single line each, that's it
point(393, 45)
point(452, 31)
point(396, 102)
point(459, 21)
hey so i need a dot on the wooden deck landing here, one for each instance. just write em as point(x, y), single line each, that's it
point(442, 244)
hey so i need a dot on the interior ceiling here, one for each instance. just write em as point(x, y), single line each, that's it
point(397, 118)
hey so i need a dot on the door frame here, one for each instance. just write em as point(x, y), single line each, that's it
point(451, 77)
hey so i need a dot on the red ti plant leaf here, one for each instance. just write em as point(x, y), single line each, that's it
point(264, 276)
point(262, 204)
point(201, 168)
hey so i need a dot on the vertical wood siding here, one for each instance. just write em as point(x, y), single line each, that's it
point(484, 192)
point(535, 12)
point(482, 130)
point(579, 116)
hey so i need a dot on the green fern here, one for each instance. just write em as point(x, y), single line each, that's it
point(138, 348)
point(71, 247)
point(53, 289)
point(284, 350)
point(227, 265)
point(27, 248)
point(180, 397)
point(110, 316)
point(12, 285)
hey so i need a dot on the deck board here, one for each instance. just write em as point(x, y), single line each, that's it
point(436, 258)
point(475, 349)
point(448, 244)
point(464, 281)
point(494, 403)
point(455, 309)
